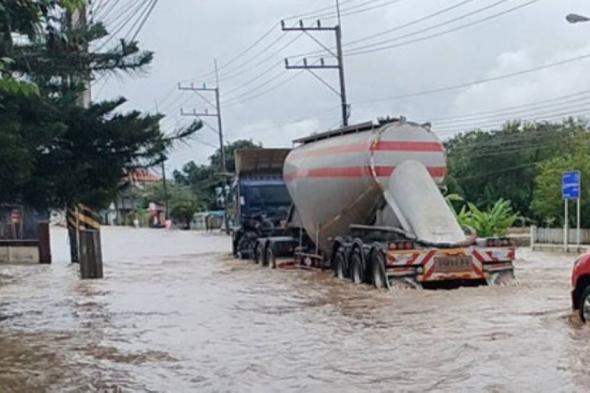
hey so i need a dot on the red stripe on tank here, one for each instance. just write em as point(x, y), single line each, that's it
point(388, 146)
point(411, 146)
point(353, 172)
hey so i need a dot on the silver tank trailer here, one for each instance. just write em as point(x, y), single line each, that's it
point(348, 176)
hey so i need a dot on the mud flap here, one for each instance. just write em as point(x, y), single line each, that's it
point(502, 278)
point(402, 283)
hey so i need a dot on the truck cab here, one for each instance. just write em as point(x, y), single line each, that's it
point(259, 197)
point(581, 286)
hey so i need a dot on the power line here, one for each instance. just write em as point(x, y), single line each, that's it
point(410, 23)
point(313, 14)
point(372, 48)
point(244, 98)
point(256, 78)
point(131, 14)
point(368, 5)
point(540, 116)
point(497, 110)
point(509, 169)
point(516, 112)
point(146, 16)
point(406, 25)
point(242, 53)
point(433, 27)
point(241, 72)
point(108, 9)
point(476, 82)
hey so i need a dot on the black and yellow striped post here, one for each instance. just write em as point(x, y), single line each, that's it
point(85, 240)
point(73, 228)
point(87, 218)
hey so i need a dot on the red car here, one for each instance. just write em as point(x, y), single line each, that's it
point(581, 285)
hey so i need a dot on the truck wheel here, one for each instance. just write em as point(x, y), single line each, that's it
point(259, 254)
point(378, 277)
point(234, 248)
point(340, 264)
point(270, 257)
point(245, 248)
point(585, 305)
point(357, 272)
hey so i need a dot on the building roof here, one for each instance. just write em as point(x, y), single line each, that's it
point(142, 175)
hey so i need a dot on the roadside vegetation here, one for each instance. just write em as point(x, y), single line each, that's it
point(521, 163)
point(53, 150)
point(204, 179)
point(192, 190)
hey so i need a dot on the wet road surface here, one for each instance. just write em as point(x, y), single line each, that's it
point(177, 314)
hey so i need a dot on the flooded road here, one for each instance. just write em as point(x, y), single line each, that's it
point(177, 314)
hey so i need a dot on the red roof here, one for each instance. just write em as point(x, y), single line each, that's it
point(142, 175)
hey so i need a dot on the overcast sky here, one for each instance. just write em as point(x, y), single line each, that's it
point(261, 103)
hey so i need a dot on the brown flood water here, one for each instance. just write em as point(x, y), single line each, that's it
point(177, 314)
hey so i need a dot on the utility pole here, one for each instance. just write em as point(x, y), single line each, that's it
point(165, 186)
point(76, 19)
point(219, 122)
point(164, 182)
point(338, 56)
point(84, 224)
point(218, 115)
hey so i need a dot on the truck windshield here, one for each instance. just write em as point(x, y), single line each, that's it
point(265, 197)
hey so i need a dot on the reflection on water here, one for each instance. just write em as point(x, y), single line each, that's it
point(175, 314)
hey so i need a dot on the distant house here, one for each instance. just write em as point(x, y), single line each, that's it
point(142, 176)
point(19, 222)
point(124, 208)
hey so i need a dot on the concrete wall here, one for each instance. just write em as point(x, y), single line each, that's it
point(19, 254)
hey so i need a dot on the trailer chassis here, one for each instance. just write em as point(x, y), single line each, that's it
point(388, 258)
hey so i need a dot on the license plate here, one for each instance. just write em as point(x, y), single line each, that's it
point(452, 264)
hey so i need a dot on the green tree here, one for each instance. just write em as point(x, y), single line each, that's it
point(230, 149)
point(182, 201)
point(203, 179)
point(54, 152)
point(547, 202)
point(485, 166)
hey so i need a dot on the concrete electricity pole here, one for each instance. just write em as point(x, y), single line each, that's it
point(83, 222)
point(338, 56)
point(218, 115)
point(164, 182)
point(76, 19)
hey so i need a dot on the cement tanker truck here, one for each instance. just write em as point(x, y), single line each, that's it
point(367, 204)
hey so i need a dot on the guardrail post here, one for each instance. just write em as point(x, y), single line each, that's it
point(73, 225)
point(533, 236)
point(44, 238)
point(90, 254)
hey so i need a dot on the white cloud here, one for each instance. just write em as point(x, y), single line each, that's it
point(188, 35)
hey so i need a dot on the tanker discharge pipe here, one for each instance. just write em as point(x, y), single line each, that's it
point(422, 205)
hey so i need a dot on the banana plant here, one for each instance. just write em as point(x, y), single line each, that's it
point(493, 222)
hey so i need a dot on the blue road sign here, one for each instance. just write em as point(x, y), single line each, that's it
point(571, 185)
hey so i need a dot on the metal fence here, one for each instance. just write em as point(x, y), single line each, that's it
point(555, 235)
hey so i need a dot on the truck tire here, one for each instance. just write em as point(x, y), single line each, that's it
point(585, 305)
point(245, 248)
point(357, 270)
point(259, 254)
point(377, 273)
point(270, 259)
point(340, 263)
point(234, 248)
